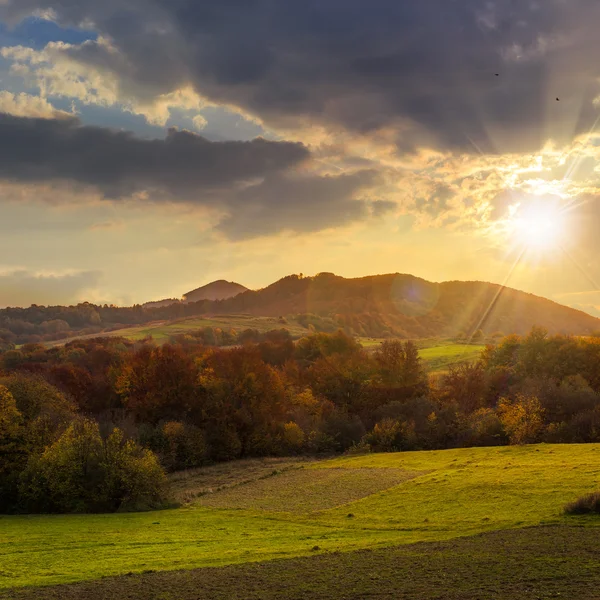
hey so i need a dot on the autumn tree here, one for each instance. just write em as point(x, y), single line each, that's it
point(521, 418)
point(159, 383)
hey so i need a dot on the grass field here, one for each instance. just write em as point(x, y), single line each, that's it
point(425, 497)
point(540, 563)
point(437, 355)
point(441, 358)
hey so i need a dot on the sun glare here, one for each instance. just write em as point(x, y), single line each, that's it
point(539, 231)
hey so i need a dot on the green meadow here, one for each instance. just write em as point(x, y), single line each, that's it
point(308, 509)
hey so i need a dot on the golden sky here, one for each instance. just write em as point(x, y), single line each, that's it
point(150, 146)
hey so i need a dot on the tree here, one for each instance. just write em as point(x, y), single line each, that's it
point(399, 366)
point(465, 384)
point(81, 472)
point(45, 411)
point(521, 418)
point(12, 452)
point(159, 383)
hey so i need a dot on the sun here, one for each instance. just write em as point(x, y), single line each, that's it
point(538, 229)
point(540, 232)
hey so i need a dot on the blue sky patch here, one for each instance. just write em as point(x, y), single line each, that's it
point(36, 33)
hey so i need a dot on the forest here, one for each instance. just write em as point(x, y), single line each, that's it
point(94, 426)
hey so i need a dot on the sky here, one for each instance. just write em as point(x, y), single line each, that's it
point(148, 147)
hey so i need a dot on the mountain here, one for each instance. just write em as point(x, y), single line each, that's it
point(404, 305)
point(217, 290)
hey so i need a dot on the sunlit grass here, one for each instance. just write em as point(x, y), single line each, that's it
point(465, 491)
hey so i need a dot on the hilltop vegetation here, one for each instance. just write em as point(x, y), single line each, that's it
point(406, 306)
point(382, 306)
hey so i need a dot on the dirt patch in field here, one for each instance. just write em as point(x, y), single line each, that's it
point(308, 490)
point(528, 564)
point(186, 486)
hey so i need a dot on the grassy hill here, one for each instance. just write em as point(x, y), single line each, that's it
point(340, 505)
point(406, 306)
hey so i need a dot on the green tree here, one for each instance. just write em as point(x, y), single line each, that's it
point(46, 412)
point(81, 472)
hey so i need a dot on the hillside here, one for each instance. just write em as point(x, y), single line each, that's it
point(404, 305)
point(217, 290)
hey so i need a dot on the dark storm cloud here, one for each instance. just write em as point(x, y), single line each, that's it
point(253, 183)
point(304, 204)
point(21, 288)
point(426, 68)
point(119, 164)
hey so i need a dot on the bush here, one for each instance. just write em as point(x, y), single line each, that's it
point(585, 505)
point(81, 472)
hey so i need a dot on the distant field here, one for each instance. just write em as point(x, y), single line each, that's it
point(421, 497)
point(162, 331)
point(441, 358)
point(437, 355)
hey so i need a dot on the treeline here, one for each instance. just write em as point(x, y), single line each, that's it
point(37, 324)
point(92, 425)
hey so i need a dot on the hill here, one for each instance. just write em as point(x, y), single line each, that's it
point(379, 306)
point(217, 290)
point(407, 306)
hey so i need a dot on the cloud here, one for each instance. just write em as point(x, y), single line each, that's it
point(255, 188)
point(298, 203)
point(425, 70)
point(22, 288)
point(182, 166)
point(26, 105)
point(56, 74)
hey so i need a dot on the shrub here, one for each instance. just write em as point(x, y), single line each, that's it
point(589, 504)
